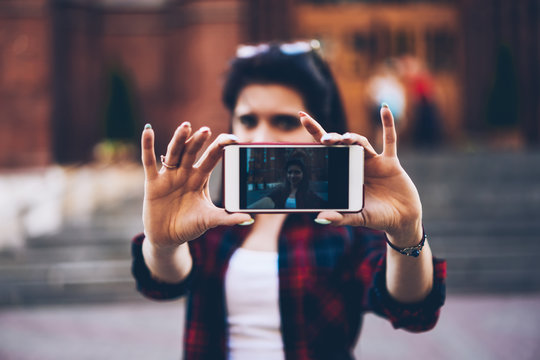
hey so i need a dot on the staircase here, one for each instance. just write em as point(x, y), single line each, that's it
point(83, 263)
point(481, 213)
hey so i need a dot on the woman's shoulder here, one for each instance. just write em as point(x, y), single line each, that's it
point(215, 243)
point(351, 236)
point(215, 237)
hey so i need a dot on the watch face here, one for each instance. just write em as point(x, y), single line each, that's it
point(412, 251)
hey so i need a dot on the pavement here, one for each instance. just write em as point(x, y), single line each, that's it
point(470, 327)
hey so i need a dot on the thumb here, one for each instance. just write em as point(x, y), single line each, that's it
point(329, 217)
point(231, 219)
point(339, 219)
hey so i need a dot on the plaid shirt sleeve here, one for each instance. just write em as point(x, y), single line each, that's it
point(414, 317)
point(149, 286)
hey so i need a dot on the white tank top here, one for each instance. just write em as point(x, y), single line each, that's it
point(252, 298)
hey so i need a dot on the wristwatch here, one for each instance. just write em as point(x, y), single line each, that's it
point(413, 251)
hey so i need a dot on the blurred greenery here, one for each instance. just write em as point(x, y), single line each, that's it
point(502, 109)
point(121, 118)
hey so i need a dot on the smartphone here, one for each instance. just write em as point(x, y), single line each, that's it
point(278, 178)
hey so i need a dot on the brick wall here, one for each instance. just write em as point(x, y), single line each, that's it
point(58, 57)
point(25, 96)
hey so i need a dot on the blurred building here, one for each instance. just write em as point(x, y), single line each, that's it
point(76, 72)
point(60, 58)
point(406, 37)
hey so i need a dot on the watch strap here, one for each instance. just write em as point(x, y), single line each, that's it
point(413, 251)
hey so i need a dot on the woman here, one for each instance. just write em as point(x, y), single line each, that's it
point(287, 286)
point(295, 193)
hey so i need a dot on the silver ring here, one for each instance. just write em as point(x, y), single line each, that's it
point(167, 165)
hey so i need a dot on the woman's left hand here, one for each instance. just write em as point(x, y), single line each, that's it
point(391, 201)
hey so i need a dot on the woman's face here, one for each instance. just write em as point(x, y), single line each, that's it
point(269, 113)
point(294, 174)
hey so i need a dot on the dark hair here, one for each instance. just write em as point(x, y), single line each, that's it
point(295, 161)
point(304, 72)
point(304, 184)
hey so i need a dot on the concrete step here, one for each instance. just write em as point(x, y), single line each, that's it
point(67, 253)
point(481, 227)
point(475, 246)
point(492, 280)
point(74, 281)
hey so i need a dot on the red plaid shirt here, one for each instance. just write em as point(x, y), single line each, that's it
point(328, 277)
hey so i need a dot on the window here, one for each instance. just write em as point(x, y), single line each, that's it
point(441, 50)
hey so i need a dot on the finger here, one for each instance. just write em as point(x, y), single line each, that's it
point(177, 144)
point(193, 146)
point(389, 132)
point(339, 219)
point(230, 219)
point(148, 155)
point(213, 153)
point(352, 138)
point(206, 190)
point(329, 217)
point(331, 139)
point(312, 126)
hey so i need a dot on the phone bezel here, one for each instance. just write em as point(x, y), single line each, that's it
point(231, 177)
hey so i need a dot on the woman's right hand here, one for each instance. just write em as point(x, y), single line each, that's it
point(177, 207)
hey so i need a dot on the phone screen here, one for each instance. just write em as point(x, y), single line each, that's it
point(294, 177)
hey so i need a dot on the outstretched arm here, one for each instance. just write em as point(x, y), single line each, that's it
point(177, 207)
point(392, 204)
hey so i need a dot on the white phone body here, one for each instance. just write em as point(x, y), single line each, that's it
point(257, 178)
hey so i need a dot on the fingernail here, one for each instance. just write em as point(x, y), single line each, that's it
point(326, 137)
point(147, 126)
point(384, 105)
point(301, 113)
point(205, 129)
point(247, 222)
point(322, 221)
point(186, 124)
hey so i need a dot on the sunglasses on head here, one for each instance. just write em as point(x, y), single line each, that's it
point(294, 48)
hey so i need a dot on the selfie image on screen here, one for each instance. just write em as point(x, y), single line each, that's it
point(294, 178)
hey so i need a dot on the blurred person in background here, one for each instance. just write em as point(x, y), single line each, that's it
point(426, 127)
point(283, 286)
point(385, 86)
